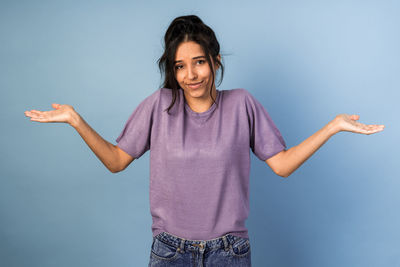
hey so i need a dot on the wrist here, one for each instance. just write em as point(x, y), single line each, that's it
point(333, 127)
point(74, 119)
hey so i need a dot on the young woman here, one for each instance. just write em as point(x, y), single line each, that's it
point(199, 139)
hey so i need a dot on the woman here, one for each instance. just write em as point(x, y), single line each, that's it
point(199, 139)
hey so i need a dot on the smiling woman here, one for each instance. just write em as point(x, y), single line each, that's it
point(195, 76)
point(186, 39)
point(200, 140)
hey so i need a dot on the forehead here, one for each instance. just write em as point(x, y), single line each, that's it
point(188, 50)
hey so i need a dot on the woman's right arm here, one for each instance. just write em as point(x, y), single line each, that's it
point(114, 158)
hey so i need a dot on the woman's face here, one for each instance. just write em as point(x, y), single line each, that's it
point(192, 71)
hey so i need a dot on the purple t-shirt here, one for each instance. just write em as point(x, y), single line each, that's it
point(200, 162)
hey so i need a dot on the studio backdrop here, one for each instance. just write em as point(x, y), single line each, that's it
point(305, 61)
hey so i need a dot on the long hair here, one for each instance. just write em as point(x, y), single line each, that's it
point(184, 29)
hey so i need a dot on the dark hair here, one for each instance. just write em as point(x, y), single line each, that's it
point(183, 29)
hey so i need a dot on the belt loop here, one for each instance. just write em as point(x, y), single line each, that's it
point(182, 246)
point(226, 245)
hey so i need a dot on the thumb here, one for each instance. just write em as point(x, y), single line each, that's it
point(354, 117)
point(56, 106)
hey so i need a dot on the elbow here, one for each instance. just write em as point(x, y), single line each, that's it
point(286, 174)
point(114, 169)
point(283, 173)
point(117, 169)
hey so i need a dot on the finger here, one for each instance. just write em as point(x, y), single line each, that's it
point(29, 113)
point(365, 128)
point(372, 130)
point(37, 113)
point(34, 111)
point(39, 119)
point(375, 126)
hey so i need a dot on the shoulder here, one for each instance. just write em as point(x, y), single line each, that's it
point(166, 96)
point(156, 94)
point(240, 95)
point(153, 98)
point(237, 93)
point(246, 100)
point(148, 103)
point(165, 93)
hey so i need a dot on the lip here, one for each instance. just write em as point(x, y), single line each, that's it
point(195, 85)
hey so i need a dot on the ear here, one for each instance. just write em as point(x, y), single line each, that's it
point(219, 58)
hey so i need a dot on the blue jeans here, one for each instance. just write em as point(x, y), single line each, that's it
point(228, 250)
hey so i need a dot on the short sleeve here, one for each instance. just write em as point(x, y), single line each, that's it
point(265, 138)
point(136, 134)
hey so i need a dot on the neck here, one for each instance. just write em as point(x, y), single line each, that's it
point(200, 105)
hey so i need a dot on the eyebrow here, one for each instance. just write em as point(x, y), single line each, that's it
point(177, 61)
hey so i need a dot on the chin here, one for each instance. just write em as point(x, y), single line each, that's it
point(199, 93)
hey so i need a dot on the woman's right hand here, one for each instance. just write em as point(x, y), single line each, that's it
point(61, 113)
point(114, 158)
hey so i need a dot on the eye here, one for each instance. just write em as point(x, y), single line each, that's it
point(177, 67)
point(201, 61)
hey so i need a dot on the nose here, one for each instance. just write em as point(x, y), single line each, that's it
point(191, 73)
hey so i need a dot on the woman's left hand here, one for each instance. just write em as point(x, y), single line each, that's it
point(345, 122)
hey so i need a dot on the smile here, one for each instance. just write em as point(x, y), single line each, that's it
point(195, 85)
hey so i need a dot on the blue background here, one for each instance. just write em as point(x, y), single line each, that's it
point(306, 62)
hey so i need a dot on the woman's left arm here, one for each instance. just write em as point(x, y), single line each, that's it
point(287, 161)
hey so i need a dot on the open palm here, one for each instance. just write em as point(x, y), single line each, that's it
point(61, 113)
point(349, 123)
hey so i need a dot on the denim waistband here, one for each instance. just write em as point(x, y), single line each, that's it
point(183, 244)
